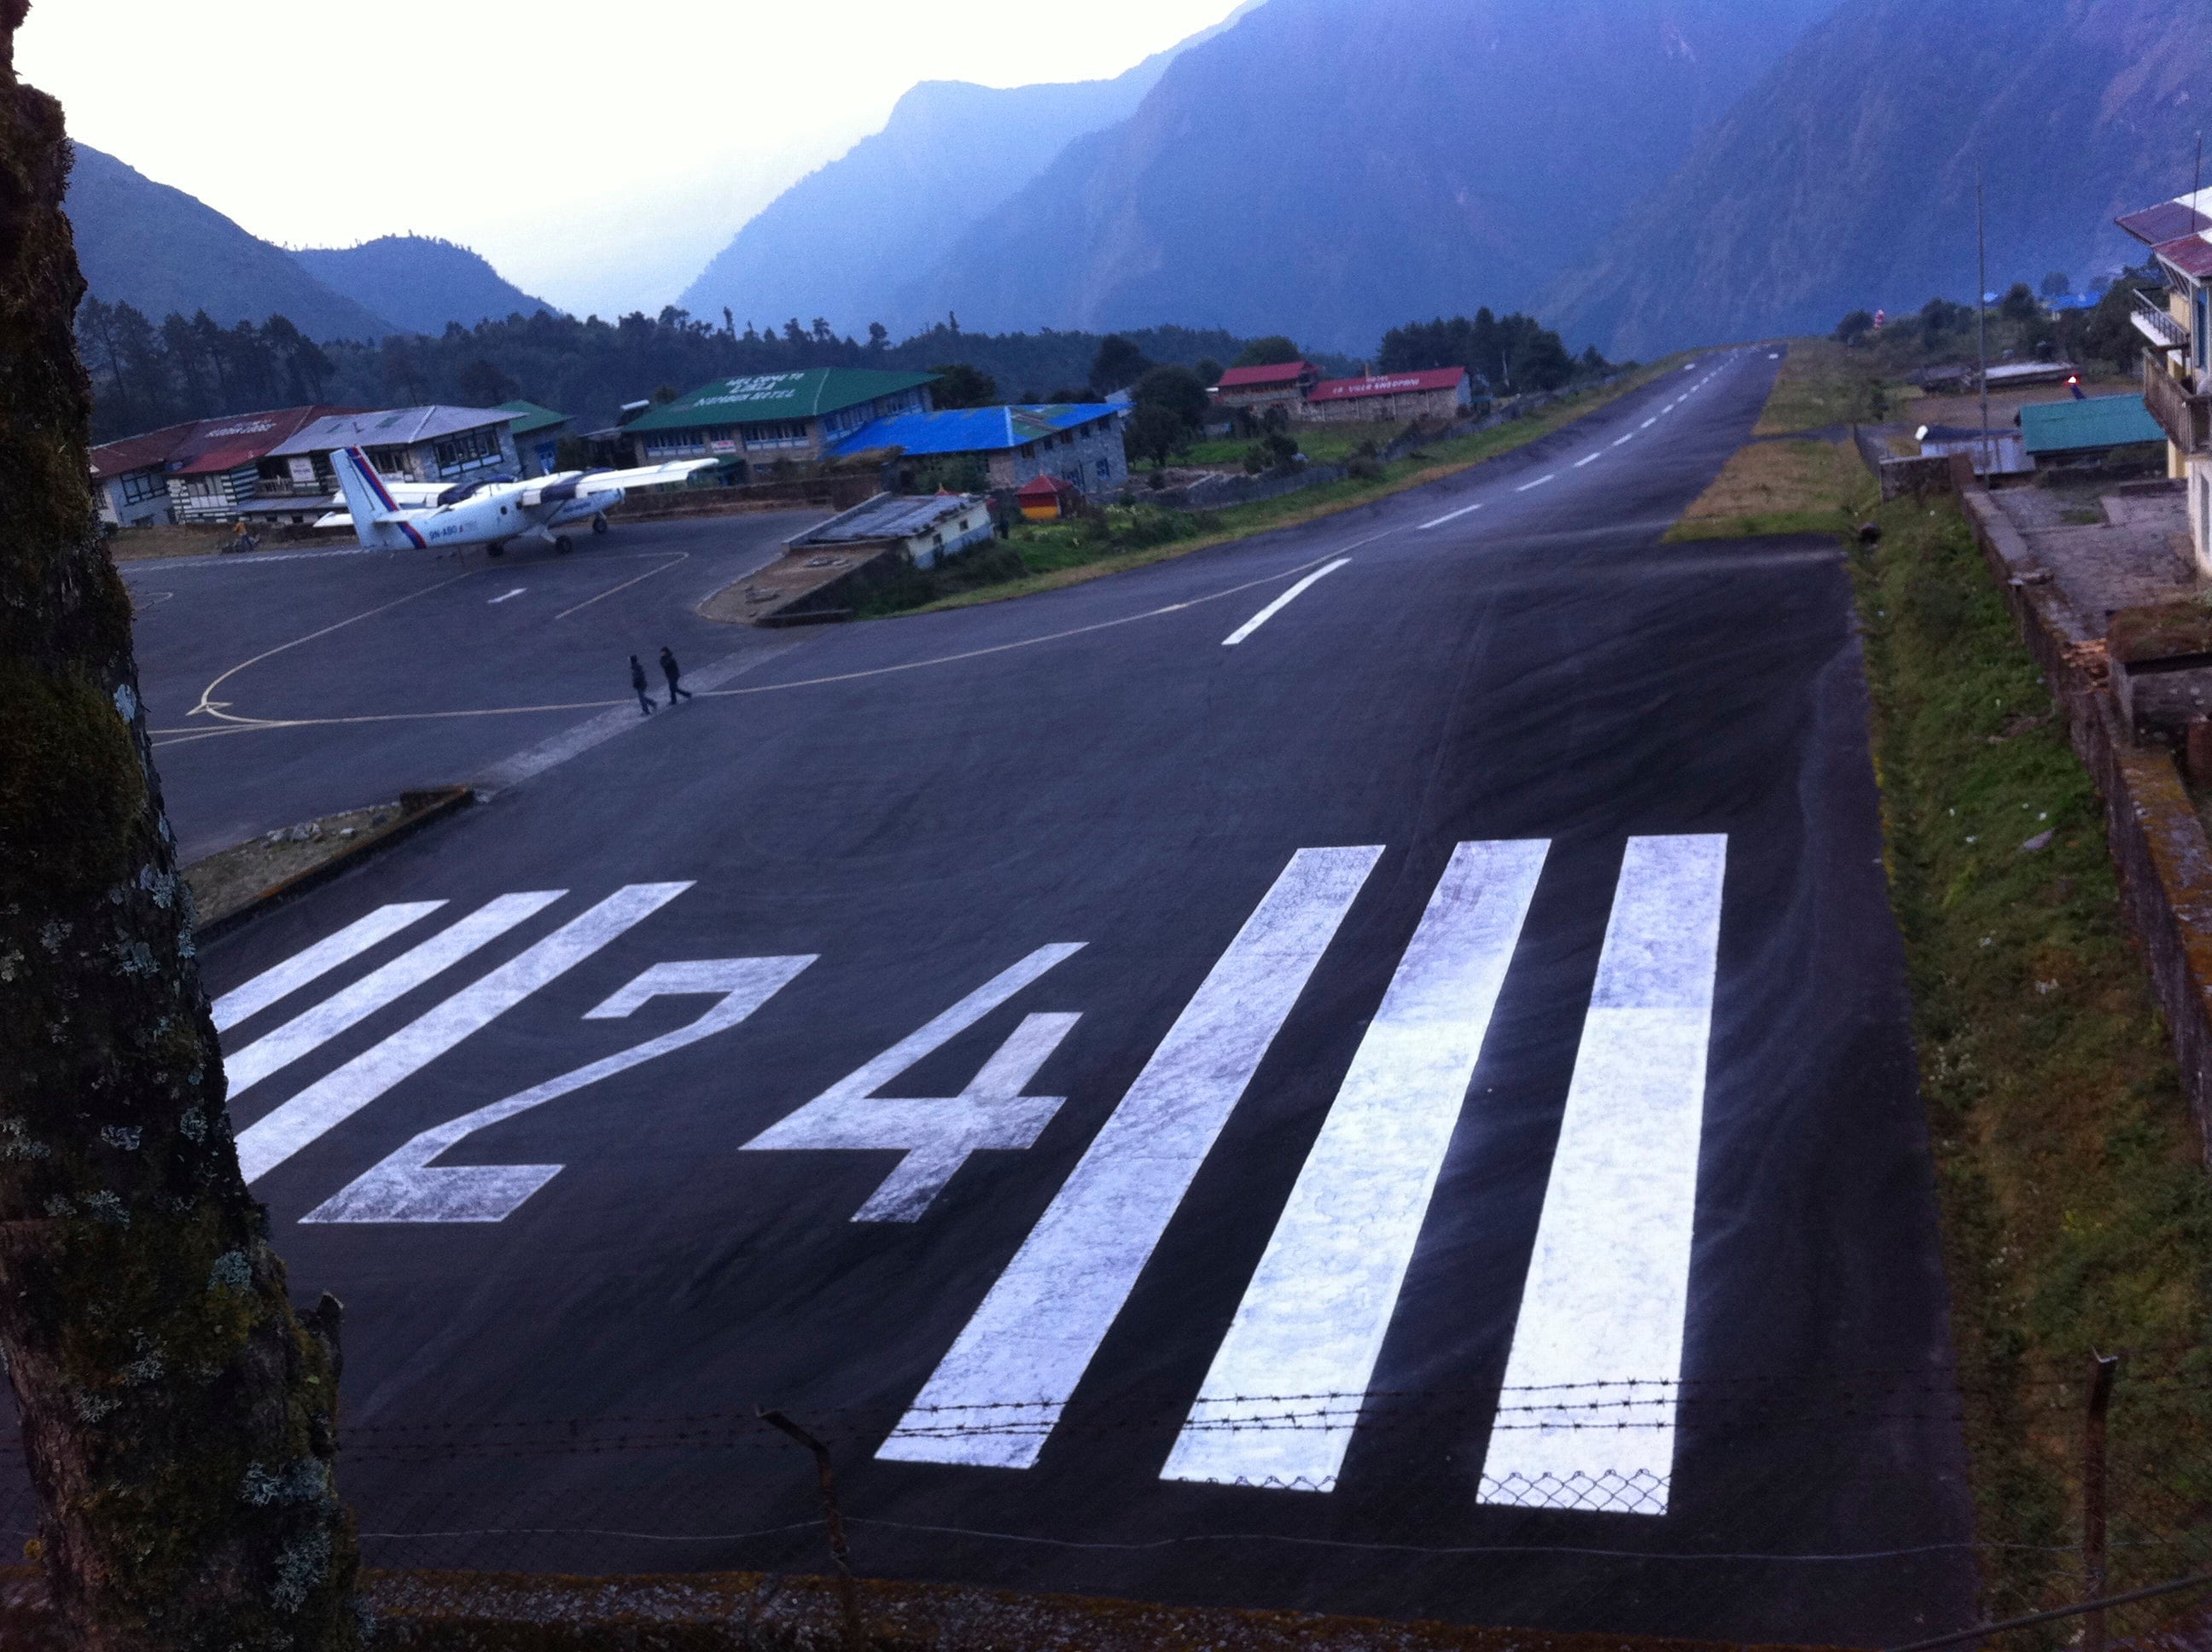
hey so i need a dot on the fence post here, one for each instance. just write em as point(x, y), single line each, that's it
point(849, 1594)
point(2102, 1370)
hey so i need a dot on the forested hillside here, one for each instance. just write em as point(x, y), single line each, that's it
point(1845, 180)
point(159, 250)
point(420, 285)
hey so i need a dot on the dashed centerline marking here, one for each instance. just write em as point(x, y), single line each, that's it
point(1625, 440)
point(509, 597)
point(1592, 459)
point(1449, 516)
point(1649, 422)
point(1538, 482)
point(1281, 603)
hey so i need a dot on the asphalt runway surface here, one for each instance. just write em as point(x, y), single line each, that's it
point(1366, 1070)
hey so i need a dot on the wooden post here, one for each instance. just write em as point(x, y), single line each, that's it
point(2093, 1536)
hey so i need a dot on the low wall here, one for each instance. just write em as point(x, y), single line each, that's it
point(2158, 841)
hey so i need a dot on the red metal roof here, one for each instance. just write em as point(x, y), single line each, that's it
point(147, 453)
point(1283, 373)
point(2191, 255)
point(1044, 487)
point(1390, 384)
point(2168, 221)
point(206, 446)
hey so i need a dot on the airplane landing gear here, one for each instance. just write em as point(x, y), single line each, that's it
point(563, 545)
point(599, 523)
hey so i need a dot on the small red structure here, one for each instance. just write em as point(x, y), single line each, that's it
point(1049, 498)
point(1285, 384)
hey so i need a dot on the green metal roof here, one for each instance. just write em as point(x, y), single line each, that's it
point(2100, 422)
point(777, 396)
point(534, 418)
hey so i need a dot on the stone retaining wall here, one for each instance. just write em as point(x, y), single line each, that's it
point(2157, 839)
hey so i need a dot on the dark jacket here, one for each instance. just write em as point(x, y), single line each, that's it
point(636, 675)
point(669, 666)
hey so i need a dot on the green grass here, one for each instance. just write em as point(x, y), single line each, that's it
point(1324, 444)
point(1753, 528)
point(1056, 556)
point(2076, 1209)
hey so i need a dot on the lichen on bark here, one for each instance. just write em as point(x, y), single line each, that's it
point(178, 1416)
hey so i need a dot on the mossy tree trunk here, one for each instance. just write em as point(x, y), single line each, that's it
point(177, 1415)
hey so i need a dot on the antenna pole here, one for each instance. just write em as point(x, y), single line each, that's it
point(1982, 308)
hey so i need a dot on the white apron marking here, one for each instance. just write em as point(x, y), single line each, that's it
point(1449, 516)
point(509, 597)
point(1601, 1314)
point(998, 1393)
point(407, 1187)
point(937, 1136)
point(1281, 603)
point(288, 977)
point(1313, 1320)
point(306, 1033)
point(323, 1106)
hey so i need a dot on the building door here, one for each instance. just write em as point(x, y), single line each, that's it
point(2202, 332)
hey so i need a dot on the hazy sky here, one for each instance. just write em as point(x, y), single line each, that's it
point(599, 154)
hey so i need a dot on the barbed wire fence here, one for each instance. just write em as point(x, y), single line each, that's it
point(2105, 1491)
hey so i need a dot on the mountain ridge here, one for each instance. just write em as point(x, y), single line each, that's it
point(419, 282)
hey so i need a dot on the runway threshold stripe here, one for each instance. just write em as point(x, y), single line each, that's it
point(243, 1003)
point(1601, 1315)
point(1313, 1320)
point(324, 1105)
point(997, 1394)
point(305, 1033)
point(1282, 602)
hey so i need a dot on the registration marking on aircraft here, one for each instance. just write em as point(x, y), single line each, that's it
point(1538, 482)
point(1449, 516)
point(1319, 1305)
point(1281, 603)
point(1603, 1312)
point(509, 597)
point(999, 1392)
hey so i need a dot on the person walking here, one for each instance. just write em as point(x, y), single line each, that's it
point(637, 681)
point(674, 673)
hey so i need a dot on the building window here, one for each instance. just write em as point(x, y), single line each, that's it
point(140, 487)
point(1105, 470)
point(469, 450)
point(673, 443)
point(776, 434)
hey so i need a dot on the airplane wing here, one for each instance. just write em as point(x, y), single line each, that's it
point(592, 482)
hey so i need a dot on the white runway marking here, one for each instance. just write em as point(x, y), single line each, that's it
point(1538, 482)
point(1281, 603)
point(1625, 440)
point(407, 1187)
point(1601, 1314)
point(509, 597)
point(324, 1105)
point(937, 1136)
point(1448, 516)
point(310, 1031)
point(1649, 422)
point(1313, 1320)
point(244, 1002)
point(994, 1398)
point(1592, 459)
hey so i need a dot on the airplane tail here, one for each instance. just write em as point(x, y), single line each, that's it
point(368, 501)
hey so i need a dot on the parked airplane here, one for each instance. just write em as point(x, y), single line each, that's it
point(398, 515)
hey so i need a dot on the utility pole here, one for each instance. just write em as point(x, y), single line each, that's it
point(1982, 308)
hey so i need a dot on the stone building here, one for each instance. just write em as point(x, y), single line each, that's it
point(1080, 443)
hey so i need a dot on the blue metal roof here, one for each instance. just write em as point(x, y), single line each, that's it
point(2085, 426)
point(972, 429)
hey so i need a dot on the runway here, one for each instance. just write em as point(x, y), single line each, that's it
point(1363, 1069)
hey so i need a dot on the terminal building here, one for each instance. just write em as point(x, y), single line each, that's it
point(1444, 394)
point(1080, 444)
point(208, 470)
point(751, 422)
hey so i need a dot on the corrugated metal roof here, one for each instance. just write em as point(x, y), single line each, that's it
point(2100, 422)
point(2191, 255)
point(887, 516)
point(972, 429)
point(1282, 373)
point(219, 445)
point(2169, 220)
point(398, 427)
point(531, 418)
point(1393, 384)
point(149, 452)
point(770, 395)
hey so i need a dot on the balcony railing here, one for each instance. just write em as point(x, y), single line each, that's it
point(2156, 323)
point(2186, 416)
